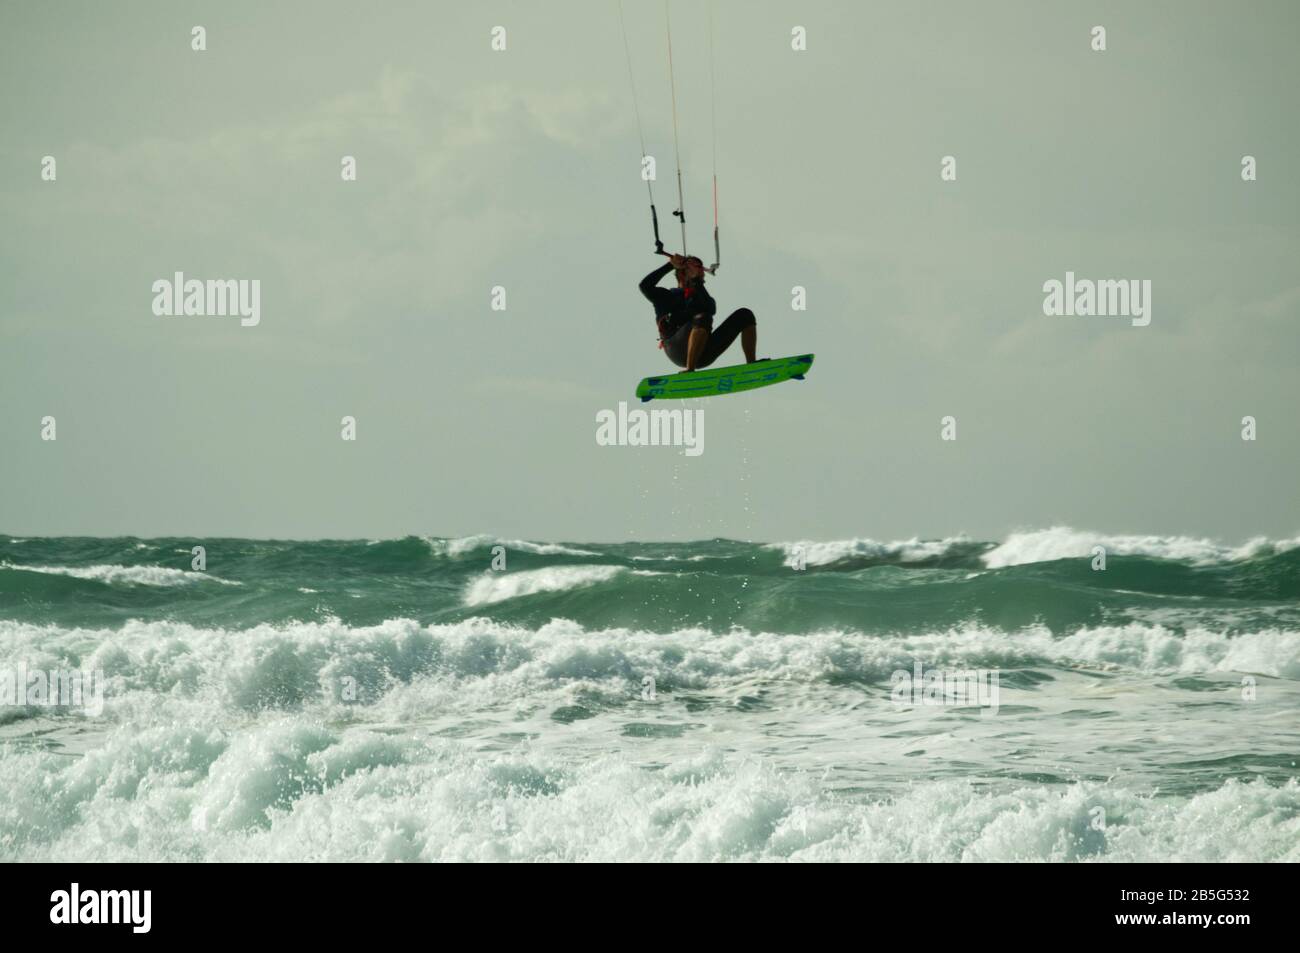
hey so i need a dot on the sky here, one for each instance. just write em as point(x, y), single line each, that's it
point(520, 168)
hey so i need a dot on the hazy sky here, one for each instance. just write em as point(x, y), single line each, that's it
point(521, 169)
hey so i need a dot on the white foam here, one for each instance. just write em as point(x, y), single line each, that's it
point(498, 586)
point(129, 575)
point(669, 559)
point(458, 547)
point(410, 669)
point(292, 790)
point(832, 551)
point(1045, 545)
point(1062, 542)
point(299, 771)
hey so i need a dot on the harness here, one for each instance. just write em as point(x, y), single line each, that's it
point(661, 320)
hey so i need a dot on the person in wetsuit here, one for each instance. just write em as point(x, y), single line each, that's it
point(685, 317)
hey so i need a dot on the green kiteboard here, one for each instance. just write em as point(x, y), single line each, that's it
point(712, 381)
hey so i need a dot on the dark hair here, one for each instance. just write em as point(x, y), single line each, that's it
point(693, 259)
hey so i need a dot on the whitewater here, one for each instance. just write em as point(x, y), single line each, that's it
point(716, 700)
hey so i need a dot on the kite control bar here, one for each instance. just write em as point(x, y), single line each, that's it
point(659, 245)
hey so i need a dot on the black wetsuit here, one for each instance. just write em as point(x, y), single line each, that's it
point(678, 310)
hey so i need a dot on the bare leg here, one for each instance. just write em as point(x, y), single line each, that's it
point(695, 346)
point(749, 342)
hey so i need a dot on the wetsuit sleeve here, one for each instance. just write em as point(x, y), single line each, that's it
point(649, 284)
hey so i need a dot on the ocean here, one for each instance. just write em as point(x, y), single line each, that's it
point(716, 700)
